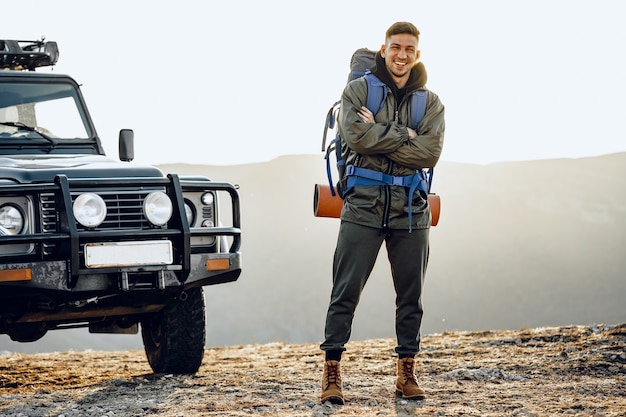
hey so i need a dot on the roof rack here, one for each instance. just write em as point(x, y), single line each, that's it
point(27, 55)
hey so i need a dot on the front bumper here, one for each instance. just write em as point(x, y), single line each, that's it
point(133, 261)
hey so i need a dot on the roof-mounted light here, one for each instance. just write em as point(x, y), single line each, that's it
point(27, 55)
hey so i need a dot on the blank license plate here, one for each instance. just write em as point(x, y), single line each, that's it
point(151, 252)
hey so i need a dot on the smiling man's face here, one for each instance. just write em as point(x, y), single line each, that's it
point(401, 54)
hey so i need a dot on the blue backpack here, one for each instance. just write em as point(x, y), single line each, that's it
point(362, 60)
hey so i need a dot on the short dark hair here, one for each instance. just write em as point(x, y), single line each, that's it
point(400, 28)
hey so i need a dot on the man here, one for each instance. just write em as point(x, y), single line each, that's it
point(384, 143)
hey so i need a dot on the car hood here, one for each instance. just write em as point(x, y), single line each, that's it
point(35, 169)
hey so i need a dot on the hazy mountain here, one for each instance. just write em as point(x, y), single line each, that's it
point(519, 244)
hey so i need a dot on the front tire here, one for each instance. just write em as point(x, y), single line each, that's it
point(174, 337)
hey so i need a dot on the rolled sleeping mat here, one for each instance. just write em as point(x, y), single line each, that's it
point(324, 203)
point(435, 208)
point(327, 205)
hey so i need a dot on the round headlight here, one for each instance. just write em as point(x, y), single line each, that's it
point(11, 220)
point(207, 198)
point(158, 208)
point(189, 212)
point(89, 209)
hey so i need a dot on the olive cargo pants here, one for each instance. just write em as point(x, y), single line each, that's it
point(355, 256)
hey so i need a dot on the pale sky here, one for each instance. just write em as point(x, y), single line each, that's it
point(223, 83)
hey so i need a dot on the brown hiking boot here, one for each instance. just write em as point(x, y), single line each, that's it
point(406, 384)
point(331, 383)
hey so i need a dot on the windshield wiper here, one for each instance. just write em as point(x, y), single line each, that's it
point(23, 126)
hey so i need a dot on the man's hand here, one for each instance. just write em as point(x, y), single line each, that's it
point(366, 115)
point(412, 133)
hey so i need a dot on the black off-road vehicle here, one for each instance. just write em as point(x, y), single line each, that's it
point(86, 241)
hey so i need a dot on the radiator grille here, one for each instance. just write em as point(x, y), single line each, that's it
point(124, 211)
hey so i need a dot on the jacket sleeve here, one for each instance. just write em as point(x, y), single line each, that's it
point(368, 138)
point(424, 150)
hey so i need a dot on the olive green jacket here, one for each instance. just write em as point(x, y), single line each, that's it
point(384, 146)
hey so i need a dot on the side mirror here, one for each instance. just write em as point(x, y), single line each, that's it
point(127, 147)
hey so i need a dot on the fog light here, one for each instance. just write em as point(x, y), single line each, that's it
point(89, 209)
point(158, 208)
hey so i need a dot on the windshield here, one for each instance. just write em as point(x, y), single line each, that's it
point(36, 111)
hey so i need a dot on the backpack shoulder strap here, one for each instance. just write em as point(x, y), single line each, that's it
point(376, 93)
point(418, 107)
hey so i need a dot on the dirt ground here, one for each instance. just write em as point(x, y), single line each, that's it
point(564, 371)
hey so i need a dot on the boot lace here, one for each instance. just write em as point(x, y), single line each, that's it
point(408, 373)
point(332, 374)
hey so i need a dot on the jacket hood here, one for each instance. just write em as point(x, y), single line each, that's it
point(417, 78)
